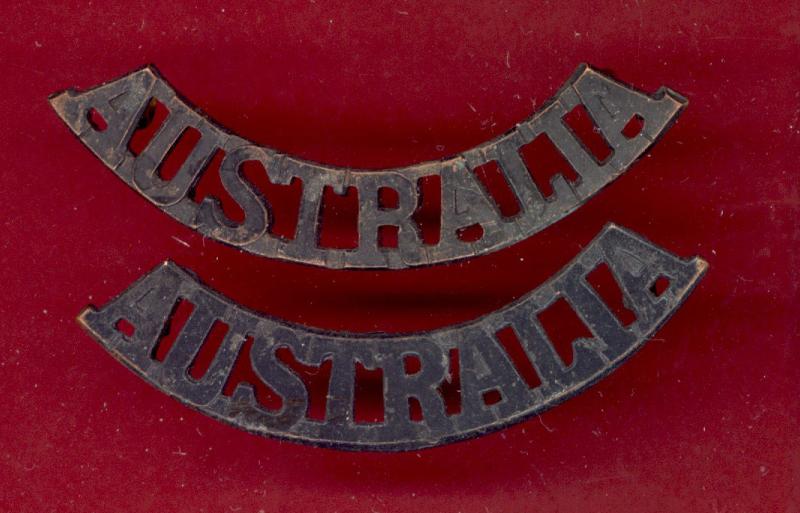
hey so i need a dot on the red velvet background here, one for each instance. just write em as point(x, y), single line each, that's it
point(704, 418)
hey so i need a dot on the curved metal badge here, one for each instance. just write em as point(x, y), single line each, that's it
point(625, 122)
point(506, 363)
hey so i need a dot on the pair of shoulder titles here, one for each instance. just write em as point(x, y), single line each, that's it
point(439, 386)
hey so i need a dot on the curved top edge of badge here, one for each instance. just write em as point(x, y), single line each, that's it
point(465, 202)
point(484, 365)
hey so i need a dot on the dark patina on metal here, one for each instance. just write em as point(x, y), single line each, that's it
point(485, 366)
point(124, 104)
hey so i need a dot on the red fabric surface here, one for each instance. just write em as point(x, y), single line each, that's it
point(703, 418)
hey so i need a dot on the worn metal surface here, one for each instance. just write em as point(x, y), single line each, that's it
point(484, 365)
point(464, 201)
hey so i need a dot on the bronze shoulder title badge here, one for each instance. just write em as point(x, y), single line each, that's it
point(106, 117)
point(439, 386)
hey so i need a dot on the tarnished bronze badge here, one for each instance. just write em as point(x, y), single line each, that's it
point(496, 390)
point(106, 117)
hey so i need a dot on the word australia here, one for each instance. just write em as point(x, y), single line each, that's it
point(481, 200)
point(284, 380)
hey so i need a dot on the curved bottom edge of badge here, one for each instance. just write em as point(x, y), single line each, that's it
point(496, 388)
